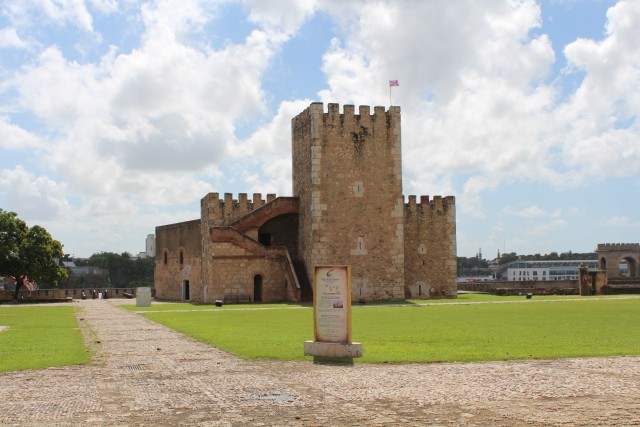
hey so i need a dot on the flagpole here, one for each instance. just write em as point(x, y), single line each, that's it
point(392, 83)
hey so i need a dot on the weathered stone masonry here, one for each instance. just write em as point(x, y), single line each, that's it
point(347, 208)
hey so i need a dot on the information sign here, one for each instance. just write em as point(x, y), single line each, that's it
point(332, 303)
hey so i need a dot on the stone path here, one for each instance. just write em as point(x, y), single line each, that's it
point(145, 374)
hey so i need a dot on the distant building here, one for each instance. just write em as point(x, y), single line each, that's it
point(150, 247)
point(522, 271)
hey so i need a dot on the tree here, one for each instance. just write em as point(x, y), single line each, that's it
point(124, 271)
point(28, 253)
point(507, 258)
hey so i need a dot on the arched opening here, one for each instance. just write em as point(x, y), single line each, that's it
point(185, 291)
point(603, 263)
point(628, 267)
point(281, 230)
point(257, 288)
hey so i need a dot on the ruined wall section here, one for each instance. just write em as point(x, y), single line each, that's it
point(430, 247)
point(347, 174)
point(178, 258)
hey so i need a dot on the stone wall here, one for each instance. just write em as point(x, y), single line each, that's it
point(26, 296)
point(544, 287)
point(430, 247)
point(236, 259)
point(178, 259)
point(236, 269)
point(347, 171)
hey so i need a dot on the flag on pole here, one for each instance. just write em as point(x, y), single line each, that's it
point(392, 83)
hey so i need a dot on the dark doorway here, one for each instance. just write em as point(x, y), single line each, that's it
point(257, 288)
point(185, 290)
point(264, 239)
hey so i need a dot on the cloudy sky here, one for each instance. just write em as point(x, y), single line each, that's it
point(120, 115)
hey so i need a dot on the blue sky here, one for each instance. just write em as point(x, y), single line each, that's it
point(119, 115)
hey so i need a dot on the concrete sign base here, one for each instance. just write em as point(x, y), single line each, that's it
point(332, 349)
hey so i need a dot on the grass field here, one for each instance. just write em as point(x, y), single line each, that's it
point(40, 337)
point(471, 328)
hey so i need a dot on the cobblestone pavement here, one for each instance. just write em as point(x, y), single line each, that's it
point(146, 375)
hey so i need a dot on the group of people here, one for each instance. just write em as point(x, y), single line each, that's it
point(96, 294)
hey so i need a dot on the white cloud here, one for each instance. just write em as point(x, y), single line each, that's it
point(470, 201)
point(166, 106)
point(534, 211)
point(526, 212)
point(620, 221)
point(546, 228)
point(601, 120)
point(13, 137)
point(9, 39)
point(283, 18)
point(34, 197)
point(104, 6)
point(59, 12)
point(472, 88)
point(270, 149)
point(134, 131)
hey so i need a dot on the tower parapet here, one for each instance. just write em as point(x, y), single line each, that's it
point(438, 204)
point(216, 211)
point(430, 246)
point(630, 247)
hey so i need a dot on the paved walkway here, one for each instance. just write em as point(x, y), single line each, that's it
point(145, 374)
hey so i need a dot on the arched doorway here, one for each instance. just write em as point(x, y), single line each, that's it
point(257, 288)
point(185, 291)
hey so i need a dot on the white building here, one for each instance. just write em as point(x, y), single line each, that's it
point(521, 271)
point(150, 247)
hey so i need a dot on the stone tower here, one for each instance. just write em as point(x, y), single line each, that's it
point(347, 174)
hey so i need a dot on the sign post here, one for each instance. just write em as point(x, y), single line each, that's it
point(332, 314)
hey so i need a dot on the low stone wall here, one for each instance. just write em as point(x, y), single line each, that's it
point(536, 287)
point(44, 295)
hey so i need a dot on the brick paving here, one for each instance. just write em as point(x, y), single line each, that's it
point(146, 375)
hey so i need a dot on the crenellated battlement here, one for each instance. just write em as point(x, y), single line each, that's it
point(348, 118)
point(219, 211)
point(437, 204)
point(631, 247)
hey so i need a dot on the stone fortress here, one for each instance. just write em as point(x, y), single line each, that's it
point(347, 209)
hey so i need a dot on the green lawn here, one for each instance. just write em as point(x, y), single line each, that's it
point(40, 337)
point(544, 327)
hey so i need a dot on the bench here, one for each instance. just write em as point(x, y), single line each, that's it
point(237, 299)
